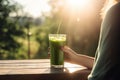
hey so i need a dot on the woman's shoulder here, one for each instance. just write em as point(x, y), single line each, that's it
point(115, 8)
point(113, 13)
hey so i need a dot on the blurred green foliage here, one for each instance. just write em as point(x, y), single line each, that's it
point(82, 31)
point(9, 30)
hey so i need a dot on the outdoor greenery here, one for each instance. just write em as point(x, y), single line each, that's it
point(18, 40)
point(9, 30)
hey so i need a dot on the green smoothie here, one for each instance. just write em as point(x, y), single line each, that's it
point(56, 41)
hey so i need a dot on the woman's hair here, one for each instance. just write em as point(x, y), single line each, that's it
point(106, 7)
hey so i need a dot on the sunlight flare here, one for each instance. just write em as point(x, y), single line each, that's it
point(74, 67)
point(78, 3)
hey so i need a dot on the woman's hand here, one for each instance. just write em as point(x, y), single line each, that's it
point(69, 54)
point(73, 57)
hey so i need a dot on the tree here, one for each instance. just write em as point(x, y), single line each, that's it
point(9, 29)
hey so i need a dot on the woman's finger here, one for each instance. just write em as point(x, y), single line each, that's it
point(67, 50)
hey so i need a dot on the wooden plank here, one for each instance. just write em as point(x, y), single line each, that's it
point(40, 70)
point(24, 65)
point(24, 61)
point(82, 75)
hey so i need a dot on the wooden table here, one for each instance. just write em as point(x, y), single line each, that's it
point(40, 70)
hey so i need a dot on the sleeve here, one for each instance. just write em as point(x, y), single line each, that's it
point(108, 52)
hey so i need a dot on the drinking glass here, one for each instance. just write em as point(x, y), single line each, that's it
point(56, 41)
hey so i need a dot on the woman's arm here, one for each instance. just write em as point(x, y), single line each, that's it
point(73, 57)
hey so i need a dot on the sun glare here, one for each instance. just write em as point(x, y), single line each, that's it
point(35, 8)
point(78, 3)
point(73, 67)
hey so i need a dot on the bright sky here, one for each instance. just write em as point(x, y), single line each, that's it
point(35, 7)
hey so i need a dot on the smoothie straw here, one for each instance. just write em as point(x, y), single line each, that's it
point(59, 27)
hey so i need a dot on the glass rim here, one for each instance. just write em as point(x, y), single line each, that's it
point(57, 34)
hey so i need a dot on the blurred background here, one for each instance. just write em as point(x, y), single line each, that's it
point(25, 25)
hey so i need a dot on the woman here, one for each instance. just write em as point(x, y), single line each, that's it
point(105, 65)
